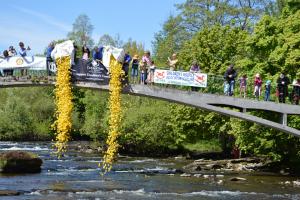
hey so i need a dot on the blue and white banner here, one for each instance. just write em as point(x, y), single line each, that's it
point(180, 78)
point(28, 62)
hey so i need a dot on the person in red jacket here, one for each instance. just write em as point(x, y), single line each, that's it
point(257, 86)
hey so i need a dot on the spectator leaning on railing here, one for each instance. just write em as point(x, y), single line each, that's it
point(97, 54)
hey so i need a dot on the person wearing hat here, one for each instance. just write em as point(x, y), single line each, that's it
point(135, 68)
point(282, 87)
point(296, 92)
point(257, 86)
point(267, 90)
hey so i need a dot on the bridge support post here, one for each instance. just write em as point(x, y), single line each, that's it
point(283, 119)
point(244, 110)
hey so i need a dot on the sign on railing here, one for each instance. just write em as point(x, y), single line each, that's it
point(180, 78)
point(28, 62)
point(89, 71)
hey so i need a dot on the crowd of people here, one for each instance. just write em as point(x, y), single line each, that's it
point(142, 71)
point(282, 86)
point(11, 52)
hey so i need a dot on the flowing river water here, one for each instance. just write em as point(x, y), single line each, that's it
point(77, 176)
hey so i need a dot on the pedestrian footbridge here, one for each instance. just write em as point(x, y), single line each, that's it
point(224, 105)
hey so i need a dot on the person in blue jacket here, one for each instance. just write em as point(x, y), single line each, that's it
point(97, 54)
point(48, 57)
point(125, 67)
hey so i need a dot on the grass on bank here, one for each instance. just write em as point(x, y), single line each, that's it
point(212, 145)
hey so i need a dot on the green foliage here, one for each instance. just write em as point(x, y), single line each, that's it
point(197, 14)
point(258, 140)
point(145, 125)
point(82, 31)
point(169, 40)
point(216, 33)
point(274, 45)
point(133, 47)
point(214, 48)
point(212, 145)
point(95, 115)
point(217, 38)
point(191, 124)
point(26, 114)
point(106, 40)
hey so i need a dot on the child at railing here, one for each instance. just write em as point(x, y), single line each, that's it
point(151, 73)
point(143, 71)
point(243, 85)
point(135, 68)
point(144, 66)
point(257, 86)
point(268, 90)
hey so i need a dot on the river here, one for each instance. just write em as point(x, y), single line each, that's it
point(77, 176)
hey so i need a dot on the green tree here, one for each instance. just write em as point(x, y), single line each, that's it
point(214, 48)
point(82, 31)
point(169, 40)
point(94, 124)
point(108, 40)
point(133, 47)
point(190, 124)
point(197, 14)
point(274, 45)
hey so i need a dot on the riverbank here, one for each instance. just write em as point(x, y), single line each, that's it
point(77, 176)
point(200, 161)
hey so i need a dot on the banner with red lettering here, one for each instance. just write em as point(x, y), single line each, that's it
point(180, 78)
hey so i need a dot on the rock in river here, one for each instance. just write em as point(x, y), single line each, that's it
point(20, 162)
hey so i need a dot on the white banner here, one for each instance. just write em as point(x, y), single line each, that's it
point(28, 62)
point(180, 78)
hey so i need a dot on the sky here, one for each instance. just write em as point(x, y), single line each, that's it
point(37, 22)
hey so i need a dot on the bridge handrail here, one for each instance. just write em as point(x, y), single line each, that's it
point(215, 84)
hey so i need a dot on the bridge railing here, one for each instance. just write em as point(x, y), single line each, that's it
point(215, 84)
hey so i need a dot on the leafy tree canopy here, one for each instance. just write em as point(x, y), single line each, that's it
point(82, 31)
